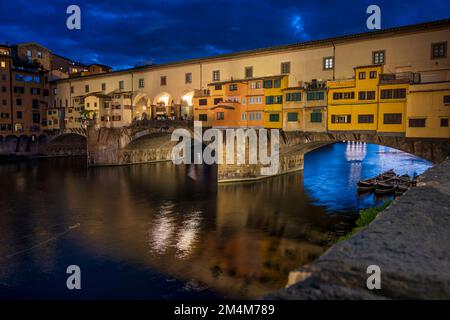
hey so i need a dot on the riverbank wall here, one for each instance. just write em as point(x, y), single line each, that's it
point(409, 241)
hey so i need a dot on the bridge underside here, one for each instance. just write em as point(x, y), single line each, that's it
point(434, 150)
point(120, 146)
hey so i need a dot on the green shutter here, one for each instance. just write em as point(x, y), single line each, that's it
point(292, 116)
point(316, 117)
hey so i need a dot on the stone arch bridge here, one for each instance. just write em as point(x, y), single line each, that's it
point(149, 141)
point(68, 142)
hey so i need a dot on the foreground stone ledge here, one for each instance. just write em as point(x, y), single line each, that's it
point(410, 241)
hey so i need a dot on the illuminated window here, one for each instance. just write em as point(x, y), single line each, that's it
point(216, 75)
point(328, 63)
point(378, 57)
point(3, 64)
point(285, 67)
point(220, 116)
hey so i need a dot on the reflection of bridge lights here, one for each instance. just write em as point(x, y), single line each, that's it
point(356, 151)
point(162, 231)
point(188, 235)
point(165, 231)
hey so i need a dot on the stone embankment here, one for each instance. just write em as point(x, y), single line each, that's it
point(409, 241)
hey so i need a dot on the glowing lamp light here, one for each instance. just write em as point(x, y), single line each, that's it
point(164, 99)
point(188, 98)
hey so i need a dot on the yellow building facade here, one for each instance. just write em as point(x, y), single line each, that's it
point(371, 102)
point(305, 107)
point(273, 97)
point(428, 111)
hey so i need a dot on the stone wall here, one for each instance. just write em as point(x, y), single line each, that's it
point(121, 146)
point(409, 241)
point(30, 146)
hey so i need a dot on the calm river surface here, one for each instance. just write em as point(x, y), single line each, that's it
point(150, 231)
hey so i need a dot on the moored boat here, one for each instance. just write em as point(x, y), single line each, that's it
point(385, 191)
point(362, 189)
point(401, 189)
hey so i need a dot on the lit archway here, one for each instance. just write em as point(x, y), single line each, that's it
point(142, 108)
point(186, 104)
point(163, 103)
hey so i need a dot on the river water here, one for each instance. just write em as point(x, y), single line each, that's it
point(150, 231)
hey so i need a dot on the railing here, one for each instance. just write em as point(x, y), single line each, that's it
point(161, 123)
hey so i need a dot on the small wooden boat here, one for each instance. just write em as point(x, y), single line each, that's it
point(388, 175)
point(401, 189)
point(385, 192)
point(366, 189)
point(386, 184)
point(367, 183)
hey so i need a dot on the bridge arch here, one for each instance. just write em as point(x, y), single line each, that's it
point(67, 138)
point(142, 107)
point(23, 143)
point(434, 150)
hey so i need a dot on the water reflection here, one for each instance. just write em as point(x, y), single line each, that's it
point(330, 177)
point(150, 231)
point(164, 227)
point(188, 234)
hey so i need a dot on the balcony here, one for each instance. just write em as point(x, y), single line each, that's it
point(400, 78)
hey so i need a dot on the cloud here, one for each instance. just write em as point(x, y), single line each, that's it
point(298, 26)
point(134, 32)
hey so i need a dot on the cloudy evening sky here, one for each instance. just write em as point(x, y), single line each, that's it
point(136, 32)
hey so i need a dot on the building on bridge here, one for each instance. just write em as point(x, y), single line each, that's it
point(305, 107)
point(249, 102)
point(409, 62)
point(371, 101)
point(428, 110)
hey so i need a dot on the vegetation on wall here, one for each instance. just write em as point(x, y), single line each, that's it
point(366, 216)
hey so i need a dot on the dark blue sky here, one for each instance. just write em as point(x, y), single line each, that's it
point(134, 32)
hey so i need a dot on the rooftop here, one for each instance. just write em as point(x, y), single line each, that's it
point(438, 24)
